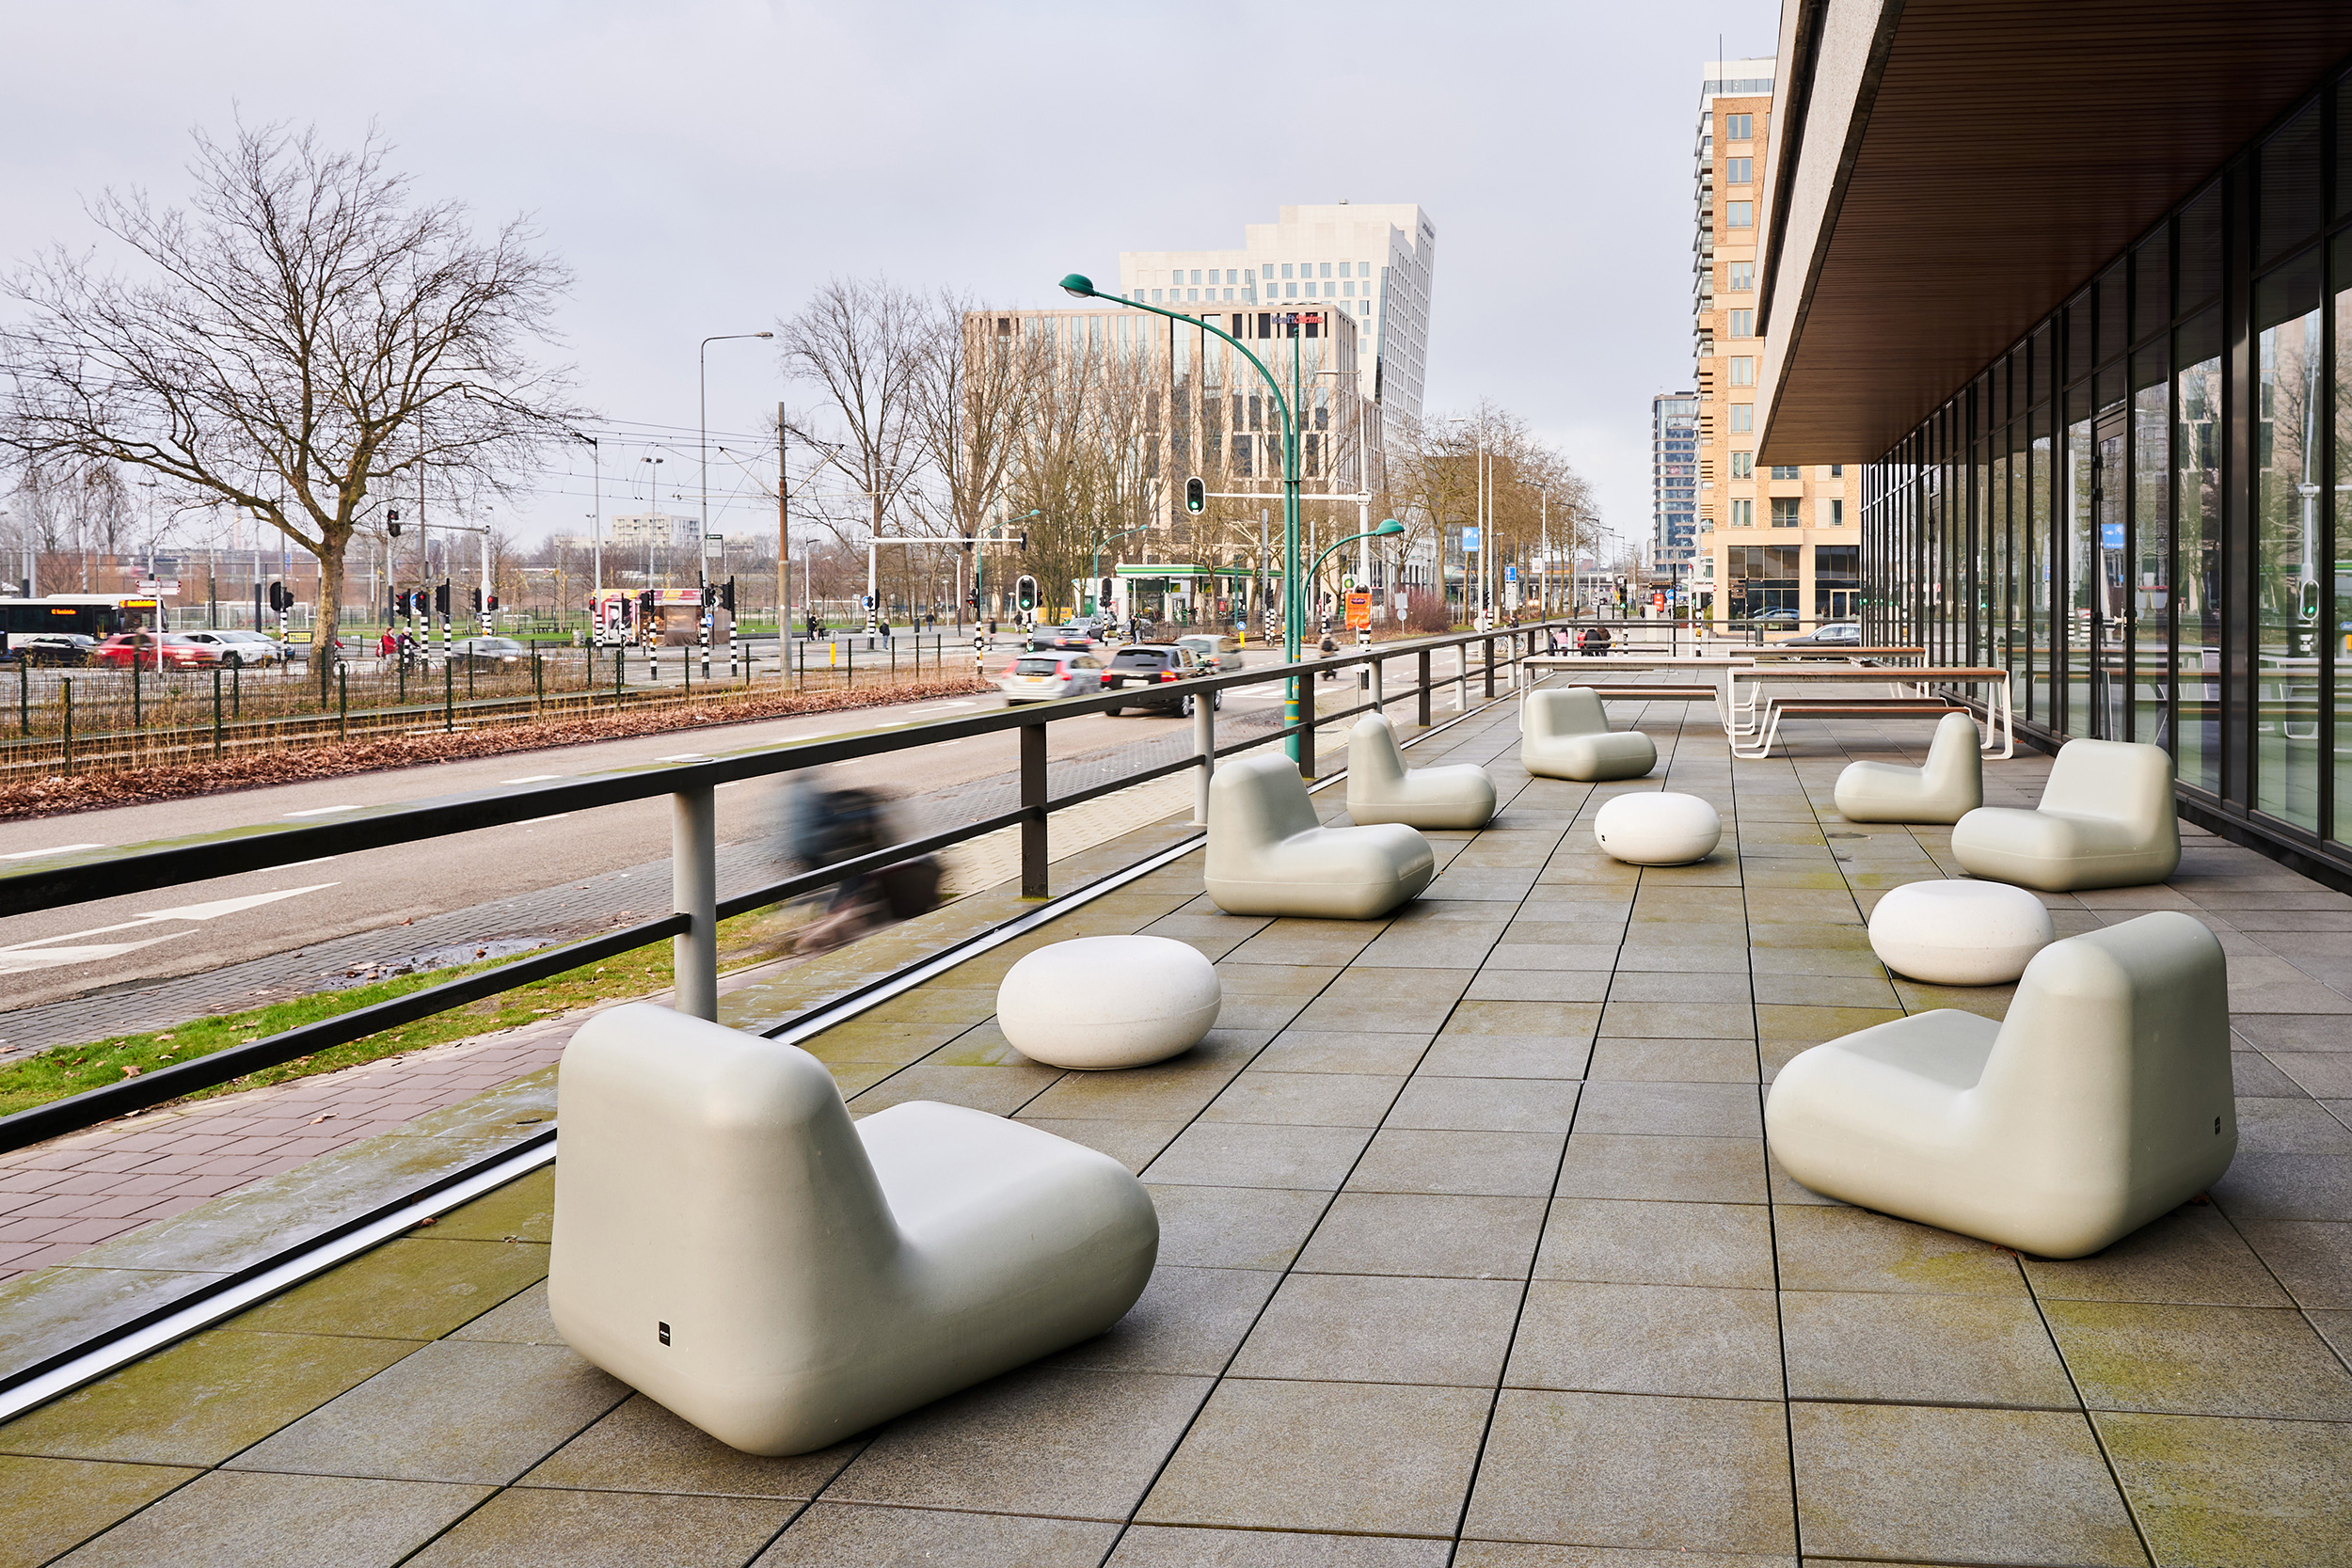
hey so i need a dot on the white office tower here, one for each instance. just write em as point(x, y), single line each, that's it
point(1374, 261)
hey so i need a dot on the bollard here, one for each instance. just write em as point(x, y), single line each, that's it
point(694, 894)
point(1033, 841)
point(1204, 747)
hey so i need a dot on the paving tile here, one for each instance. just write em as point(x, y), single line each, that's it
point(1416, 1233)
point(473, 1410)
point(998, 1090)
point(1920, 1350)
point(1853, 1249)
point(608, 1530)
point(1171, 1090)
point(49, 1504)
point(1046, 1440)
point(1461, 945)
point(2312, 1259)
point(1623, 1243)
point(639, 1447)
point(1688, 1170)
point(833, 1535)
point(2286, 1187)
point(1909, 1482)
point(1634, 1470)
point(1679, 1109)
point(2199, 1360)
point(1673, 1061)
point(1245, 1154)
point(1306, 1098)
point(1487, 1164)
point(1170, 1547)
point(1233, 1228)
point(1539, 985)
point(1315, 942)
point(1516, 950)
point(1486, 1106)
point(2297, 1126)
point(202, 1399)
point(2192, 1255)
point(2251, 1492)
point(1676, 1020)
point(1188, 1322)
point(521, 1319)
point(263, 1521)
point(1323, 1051)
point(1372, 1328)
point(1393, 1001)
point(1453, 1055)
point(1360, 1457)
point(1647, 1339)
point(1133, 1144)
point(413, 1288)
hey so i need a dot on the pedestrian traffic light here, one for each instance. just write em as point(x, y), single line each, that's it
point(494, 603)
point(477, 601)
point(440, 599)
point(1102, 594)
point(1196, 496)
point(391, 524)
point(280, 599)
point(1025, 592)
point(726, 596)
point(2311, 600)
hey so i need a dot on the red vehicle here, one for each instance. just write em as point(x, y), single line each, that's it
point(177, 653)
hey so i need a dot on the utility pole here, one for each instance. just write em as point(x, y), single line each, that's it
point(784, 544)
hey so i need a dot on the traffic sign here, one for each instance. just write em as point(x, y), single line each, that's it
point(168, 587)
point(1358, 612)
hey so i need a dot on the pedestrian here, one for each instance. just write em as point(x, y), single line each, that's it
point(1328, 648)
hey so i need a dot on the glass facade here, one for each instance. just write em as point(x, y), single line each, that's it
point(2140, 508)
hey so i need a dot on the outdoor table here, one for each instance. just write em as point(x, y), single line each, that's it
point(2002, 723)
point(1825, 650)
point(1717, 667)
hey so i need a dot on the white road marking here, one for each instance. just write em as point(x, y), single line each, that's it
point(687, 756)
point(20, 961)
point(60, 849)
point(231, 905)
point(321, 811)
point(532, 777)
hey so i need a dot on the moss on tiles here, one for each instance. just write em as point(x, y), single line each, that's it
point(412, 1288)
point(49, 1504)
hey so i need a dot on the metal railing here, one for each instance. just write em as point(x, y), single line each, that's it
point(1488, 658)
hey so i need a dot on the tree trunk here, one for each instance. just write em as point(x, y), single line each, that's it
point(330, 556)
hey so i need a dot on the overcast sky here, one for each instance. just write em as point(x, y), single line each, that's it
point(702, 165)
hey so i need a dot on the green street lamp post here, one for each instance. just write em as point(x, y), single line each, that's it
point(1079, 286)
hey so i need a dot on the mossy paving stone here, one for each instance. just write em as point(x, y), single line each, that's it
point(202, 1399)
point(47, 1505)
point(523, 1210)
point(411, 1288)
point(227, 1520)
point(2254, 1494)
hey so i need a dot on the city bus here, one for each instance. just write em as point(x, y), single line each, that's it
point(97, 616)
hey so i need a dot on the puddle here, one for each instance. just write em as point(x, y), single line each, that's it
point(433, 957)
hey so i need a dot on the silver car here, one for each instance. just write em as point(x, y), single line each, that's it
point(1041, 677)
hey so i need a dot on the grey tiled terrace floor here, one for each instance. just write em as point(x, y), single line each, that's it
point(1471, 1253)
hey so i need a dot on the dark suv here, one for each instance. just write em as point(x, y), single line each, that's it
point(1155, 671)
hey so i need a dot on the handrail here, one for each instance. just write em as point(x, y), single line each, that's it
point(131, 869)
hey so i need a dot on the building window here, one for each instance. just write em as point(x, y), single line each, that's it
point(1784, 470)
point(1742, 371)
point(1743, 465)
point(1787, 512)
point(1348, 287)
point(1290, 290)
point(1155, 297)
point(1739, 127)
point(1327, 269)
point(1743, 417)
point(1195, 274)
point(1743, 324)
point(1250, 275)
point(1743, 514)
point(1743, 276)
point(1836, 470)
point(1192, 295)
point(1738, 214)
point(1835, 511)
point(1286, 270)
point(1738, 171)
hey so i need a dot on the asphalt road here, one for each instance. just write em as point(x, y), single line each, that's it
point(124, 941)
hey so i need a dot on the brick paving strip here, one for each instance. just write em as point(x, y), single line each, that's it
point(1472, 1253)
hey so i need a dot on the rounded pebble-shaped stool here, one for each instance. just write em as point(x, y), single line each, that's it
point(1657, 828)
point(1108, 1002)
point(1957, 933)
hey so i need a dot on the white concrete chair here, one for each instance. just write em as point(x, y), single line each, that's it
point(2105, 820)
point(1380, 788)
point(729, 1244)
point(1098, 1002)
point(1269, 854)
point(2102, 1101)
point(1565, 734)
point(1948, 787)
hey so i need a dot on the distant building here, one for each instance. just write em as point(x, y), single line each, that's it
point(1373, 261)
point(660, 529)
point(1783, 541)
point(1673, 468)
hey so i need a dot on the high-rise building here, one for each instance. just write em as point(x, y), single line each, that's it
point(1673, 480)
point(659, 529)
point(1373, 261)
point(1781, 543)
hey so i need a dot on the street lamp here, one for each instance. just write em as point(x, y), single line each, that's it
point(595, 461)
point(1079, 286)
point(1094, 565)
point(702, 384)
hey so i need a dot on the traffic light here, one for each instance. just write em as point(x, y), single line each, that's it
point(726, 596)
point(1025, 592)
point(494, 601)
point(1025, 541)
point(391, 524)
point(1102, 594)
point(1196, 496)
point(440, 599)
point(477, 601)
point(2311, 600)
point(280, 599)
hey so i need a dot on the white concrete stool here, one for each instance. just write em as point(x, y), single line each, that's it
point(1658, 829)
point(1108, 1002)
point(1955, 933)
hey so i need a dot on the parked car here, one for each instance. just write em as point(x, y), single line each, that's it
point(1210, 649)
point(39, 648)
point(270, 651)
point(1036, 677)
point(1074, 634)
point(1837, 634)
point(238, 647)
point(179, 652)
point(488, 652)
point(1151, 669)
point(1772, 617)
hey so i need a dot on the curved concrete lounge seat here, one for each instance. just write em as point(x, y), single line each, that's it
point(1565, 734)
point(729, 1244)
point(1380, 788)
point(1093, 1002)
point(1663, 828)
point(1268, 854)
point(2102, 1101)
point(1947, 788)
point(2105, 820)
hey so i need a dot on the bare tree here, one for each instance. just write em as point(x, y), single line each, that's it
point(300, 342)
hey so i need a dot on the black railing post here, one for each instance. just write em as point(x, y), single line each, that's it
point(65, 686)
point(342, 702)
point(1033, 842)
point(1421, 696)
point(1306, 725)
point(215, 713)
point(1486, 663)
point(449, 691)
